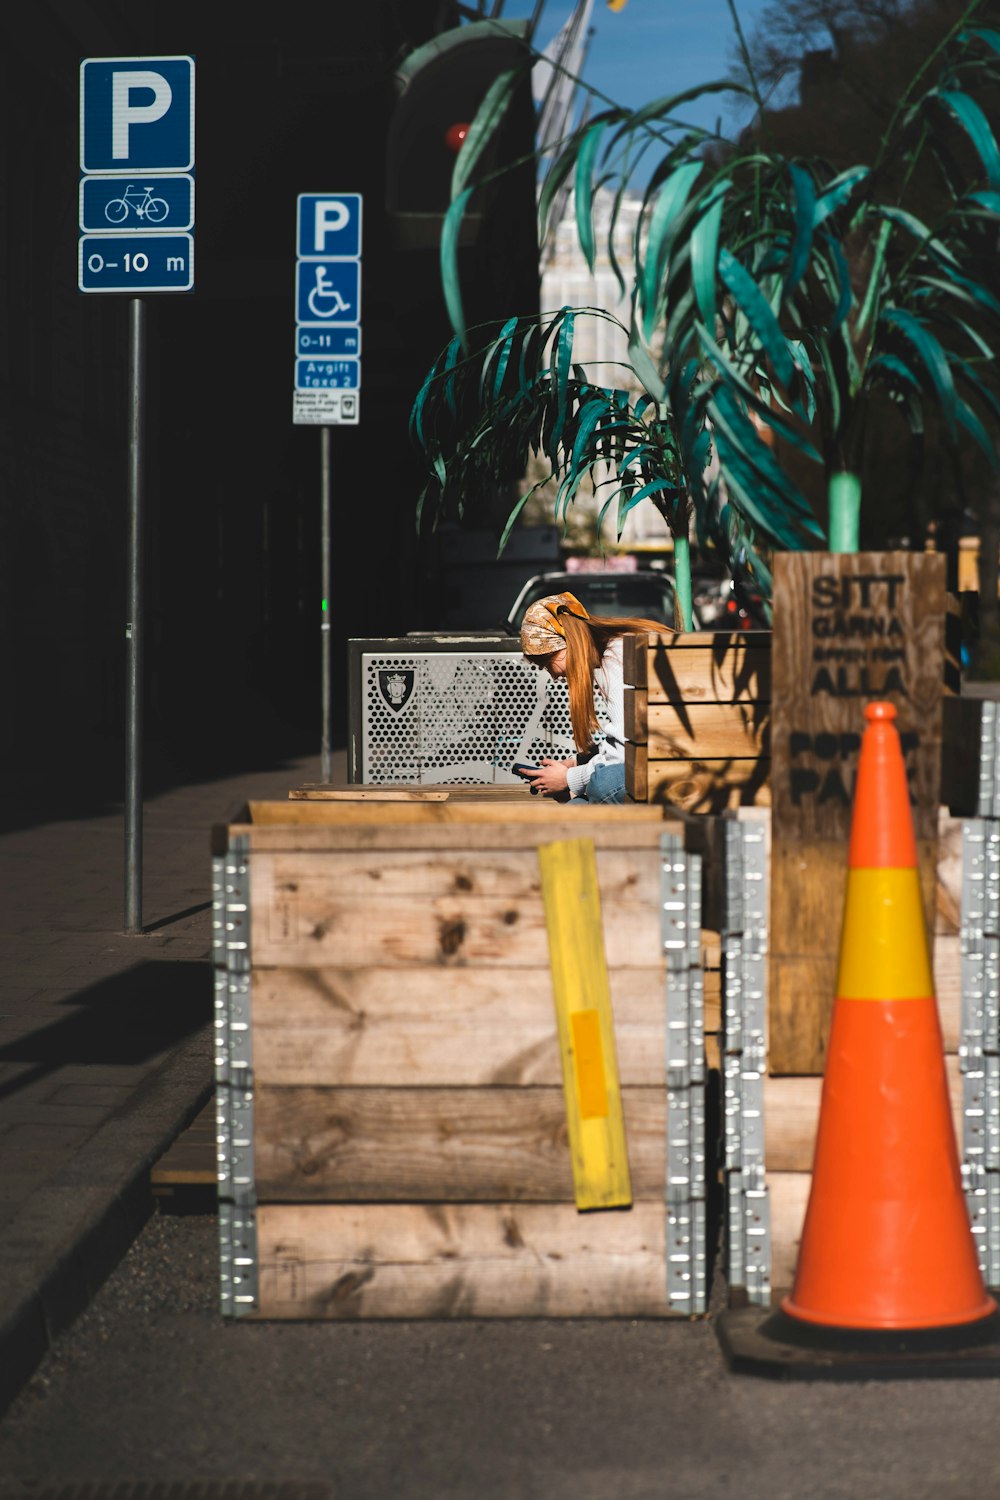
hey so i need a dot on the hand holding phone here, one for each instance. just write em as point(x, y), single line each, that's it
point(526, 771)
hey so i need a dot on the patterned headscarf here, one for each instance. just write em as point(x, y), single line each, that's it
point(542, 631)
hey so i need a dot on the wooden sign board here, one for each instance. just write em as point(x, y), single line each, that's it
point(848, 629)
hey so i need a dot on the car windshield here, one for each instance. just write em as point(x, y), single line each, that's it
point(607, 594)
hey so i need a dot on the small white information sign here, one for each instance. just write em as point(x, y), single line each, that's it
point(326, 408)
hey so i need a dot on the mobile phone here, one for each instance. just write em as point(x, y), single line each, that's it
point(524, 769)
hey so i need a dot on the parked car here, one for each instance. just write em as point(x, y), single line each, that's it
point(644, 592)
point(722, 603)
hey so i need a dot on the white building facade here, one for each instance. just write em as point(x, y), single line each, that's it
point(598, 345)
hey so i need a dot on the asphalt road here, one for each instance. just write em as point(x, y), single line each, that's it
point(150, 1387)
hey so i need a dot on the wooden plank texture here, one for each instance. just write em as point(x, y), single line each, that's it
point(703, 731)
point(582, 997)
point(707, 731)
point(400, 1145)
point(733, 668)
point(697, 786)
point(302, 917)
point(406, 874)
point(636, 768)
point(499, 1260)
point(428, 813)
point(788, 1195)
point(608, 833)
point(434, 1026)
point(700, 646)
point(948, 988)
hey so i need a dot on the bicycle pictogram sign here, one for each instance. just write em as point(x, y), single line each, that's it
point(134, 205)
point(141, 202)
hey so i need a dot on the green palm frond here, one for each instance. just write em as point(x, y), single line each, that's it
point(766, 292)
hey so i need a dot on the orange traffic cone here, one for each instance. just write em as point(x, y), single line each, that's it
point(887, 1242)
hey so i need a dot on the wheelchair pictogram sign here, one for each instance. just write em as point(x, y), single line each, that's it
point(327, 291)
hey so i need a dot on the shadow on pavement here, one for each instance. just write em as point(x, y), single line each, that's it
point(123, 1021)
point(88, 780)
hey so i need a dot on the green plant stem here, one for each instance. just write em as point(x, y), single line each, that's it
point(682, 579)
point(964, 19)
point(845, 509)
point(871, 293)
point(745, 54)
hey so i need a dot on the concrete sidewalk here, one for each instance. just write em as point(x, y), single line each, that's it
point(105, 1040)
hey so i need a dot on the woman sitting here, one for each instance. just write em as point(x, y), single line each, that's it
point(558, 635)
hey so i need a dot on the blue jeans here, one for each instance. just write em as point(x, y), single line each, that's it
point(606, 784)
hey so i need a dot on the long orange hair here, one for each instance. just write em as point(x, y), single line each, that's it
point(586, 642)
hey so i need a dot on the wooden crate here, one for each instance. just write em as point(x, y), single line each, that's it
point(697, 719)
point(410, 1150)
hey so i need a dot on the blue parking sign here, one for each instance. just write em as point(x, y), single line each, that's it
point(327, 291)
point(329, 224)
point(327, 389)
point(137, 114)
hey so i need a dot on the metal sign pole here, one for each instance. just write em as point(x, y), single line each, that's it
point(151, 143)
point(324, 462)
point(327, 360)
point(133, 627)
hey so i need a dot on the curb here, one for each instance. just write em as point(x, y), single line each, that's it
point(78, 1225)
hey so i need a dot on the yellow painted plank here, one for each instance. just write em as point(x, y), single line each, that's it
point(594, 1119)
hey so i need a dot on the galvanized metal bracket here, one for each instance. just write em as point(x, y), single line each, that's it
point(988, 798)
point(234, 1080)
point(685, 1187)
point(744, 1051)
point(979, 1041)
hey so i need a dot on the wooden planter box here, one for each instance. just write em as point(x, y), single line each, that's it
point(391, 1107)
point(697, 719)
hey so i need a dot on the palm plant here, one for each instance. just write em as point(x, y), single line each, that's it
point(772, 298)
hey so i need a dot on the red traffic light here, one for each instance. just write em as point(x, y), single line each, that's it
point(455, 135)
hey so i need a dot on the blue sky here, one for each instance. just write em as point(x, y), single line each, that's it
point(657, 47)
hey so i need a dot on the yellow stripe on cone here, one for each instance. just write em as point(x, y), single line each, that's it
point(883, 946)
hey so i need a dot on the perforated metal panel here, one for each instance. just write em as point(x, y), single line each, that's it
point(452, 711)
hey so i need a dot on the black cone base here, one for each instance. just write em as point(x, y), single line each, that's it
point(757, 1341)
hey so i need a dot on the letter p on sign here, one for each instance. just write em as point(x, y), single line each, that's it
point(330, 216)
point(126, 111)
